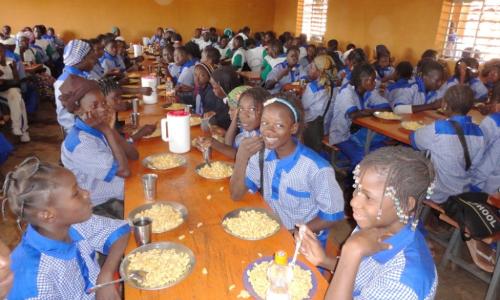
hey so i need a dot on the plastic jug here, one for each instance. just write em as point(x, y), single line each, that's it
point(137, 50)
point(175, 130)
point(150, 81)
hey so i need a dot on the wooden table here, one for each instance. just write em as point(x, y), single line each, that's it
point(251, 78)
point(224, 256)
point(394, 130)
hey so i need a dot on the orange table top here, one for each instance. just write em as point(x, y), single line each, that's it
point(249, 75)
point(224, 256)
point(394, 130)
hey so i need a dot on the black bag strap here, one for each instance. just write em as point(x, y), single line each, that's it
point(461, 137)
point(261, 167)
point(332, 85)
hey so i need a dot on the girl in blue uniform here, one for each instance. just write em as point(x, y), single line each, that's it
point(285, 72)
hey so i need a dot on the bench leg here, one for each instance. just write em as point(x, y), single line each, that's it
point(452, 248)
point(495, 278)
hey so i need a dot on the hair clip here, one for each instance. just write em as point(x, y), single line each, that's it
point(390, 192)
point(430, 190)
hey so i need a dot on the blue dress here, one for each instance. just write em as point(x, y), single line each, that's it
point(5, 148)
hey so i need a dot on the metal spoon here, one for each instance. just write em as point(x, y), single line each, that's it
point(206, 156)
point(136, 276)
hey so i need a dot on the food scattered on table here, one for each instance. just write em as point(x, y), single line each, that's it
point(204, 271)
point(243, 294)
point(221, 188)
point(209, 197)
point(181, 237)
point(164, 217)
point(231, 287)
point(174, 265)
point(299, 287)
point(251, 225)
point(259, 254)
point(216, 170)
point(191, 231)
point(199, 225)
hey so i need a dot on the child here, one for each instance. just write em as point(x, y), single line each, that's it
point(467, 72)
point(223, 80)
point(486, 176)
point(97, 71)
point(92, 150)
point(205, 40)
point(356, 99)
point(222, 46)
point(404, 77)
point(56, 258)
point(456, 145)
point(10, 90)
point(156, 38)
point(305, 61)
point(491, 73)
point(197, 35)
point(316, 100)
point(211, 57)
point(334, 52)
point(272, 57)
point(385, 257)
point(422, 94)
point(109, 61)
point(184, 82)
point(238, 59)
point(202, 74)
point(296, 182)
point(355, 57)
point(285, 72)
point(253, 55)
point(382, 66)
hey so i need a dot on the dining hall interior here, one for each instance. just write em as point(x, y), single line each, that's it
point(250, 149)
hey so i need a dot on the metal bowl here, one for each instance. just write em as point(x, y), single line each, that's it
point(236, 212)
point(147, 162)
point(162, 245)
point(198, 168)
point(175, 205)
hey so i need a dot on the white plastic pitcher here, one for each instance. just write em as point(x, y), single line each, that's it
point(145, 41)
point(150, 81)
point(137, 50)
point(176, 124)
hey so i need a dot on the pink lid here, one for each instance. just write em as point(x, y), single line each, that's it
point(178, 113)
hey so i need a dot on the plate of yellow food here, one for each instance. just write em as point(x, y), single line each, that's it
point(412, 125)
point(161, 265)
point(387, 115)
point(216, 170)
point(251, 223)
point(174, 106)
point(194, 120)
point(166, 215)
point(163, 161)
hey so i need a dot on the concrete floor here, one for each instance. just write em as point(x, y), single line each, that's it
point(454, 283)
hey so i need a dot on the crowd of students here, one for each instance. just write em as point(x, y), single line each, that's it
point(275, 139)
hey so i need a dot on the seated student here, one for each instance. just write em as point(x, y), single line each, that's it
point(193, 51)
point(110, 61)
point(296, 182)
point(297, 42)
point(467, 72)
point(356, 99)
point(6, 32)
point(56, 258)
point(421, 94)
point(245, 122)
point(253, 55)
point(184, 81)
point(385, 257)
point(238, 58)
point(156, 38)
point(348, 49)
point(305, 61)
point(92, 150)
point(56, 41)
point(333, 51)
point(79, 60)
point(317, 99)
point(222, 46)
point(211, 57)
point(97, 71)
point(214, 37)
point(202, 74)
point(456, 145)
point(491, 74)
point(382, 65)
point(403, 74)
point(285, 72)
point(272, 57)
point(196, 36)
point(10, 90)
point(429, 54)
point(355, 57)
point(205, 40)
point(223, 80)
point(39, 31)
point(486, 176)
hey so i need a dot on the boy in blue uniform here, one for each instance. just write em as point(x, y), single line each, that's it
point(456, 145)
point(357, 99)
point(56, 258)
point(110, 61)
point(286, 72)
point(403, 76)
point(296, 182)
point(184, 82)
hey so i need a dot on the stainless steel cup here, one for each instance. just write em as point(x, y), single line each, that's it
point(135, 105)
point(149, 186)
point(135, 119)
point(142, 230)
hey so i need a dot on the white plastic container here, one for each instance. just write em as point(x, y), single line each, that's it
point(145, 41)
point(176, 131)
point(150, 81)
point(137, 50)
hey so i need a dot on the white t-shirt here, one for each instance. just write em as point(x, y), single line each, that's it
point(254, 58)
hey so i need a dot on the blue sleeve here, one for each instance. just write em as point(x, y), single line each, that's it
point(327, 193)
point(424, 138)
point(252, 180)
point(102, 232)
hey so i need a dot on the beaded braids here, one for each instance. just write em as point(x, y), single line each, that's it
point(408, 174)
point(28, 186)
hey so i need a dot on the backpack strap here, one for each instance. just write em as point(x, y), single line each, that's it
point(461, 137)
point(332, 85)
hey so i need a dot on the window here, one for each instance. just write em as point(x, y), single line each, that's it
point(471, 27)
point(311, 18)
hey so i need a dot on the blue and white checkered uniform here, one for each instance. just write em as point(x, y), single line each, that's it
point(299, 187)
point(406, 271)
point(244, 134)
point(476, 85)
point(50, 269)
point(314, 100)
point(397, 88)
point(174, 69)
point(65, 118)
point(294, 75)
point(413, 93)
point(486, 176)
point(441, 141)
point(381, 73)
point(186, 74)
point(109, 62)
point(97, 72)
point(347, 77)
point(87, 154)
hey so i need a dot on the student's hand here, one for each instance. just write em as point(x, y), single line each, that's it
point(366, 242)
point(208, 115)
point(249, 146)
point(437, 104)
point(311, 247)
point(146, 91)
point(144, 131)
point(6, 275)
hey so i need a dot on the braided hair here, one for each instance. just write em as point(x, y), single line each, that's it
point(107, 85)
point(459, 99)
point(359, 71)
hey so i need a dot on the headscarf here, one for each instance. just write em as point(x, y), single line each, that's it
point(114, 30)
point(75, 51)
point(234, 95)
point(74, 89)
point(207, 68)
point(324, 63)
point(228, 32)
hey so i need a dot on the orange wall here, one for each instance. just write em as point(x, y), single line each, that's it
point(137, 18)
point(285, 16)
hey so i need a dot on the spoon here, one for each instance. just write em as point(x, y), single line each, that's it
point(302, 232)
point(136, 276)
point(206, 156)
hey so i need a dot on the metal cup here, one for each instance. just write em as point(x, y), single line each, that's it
point(149, 186)
point(142, 230)
point(135, 105)
point(135, 119)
